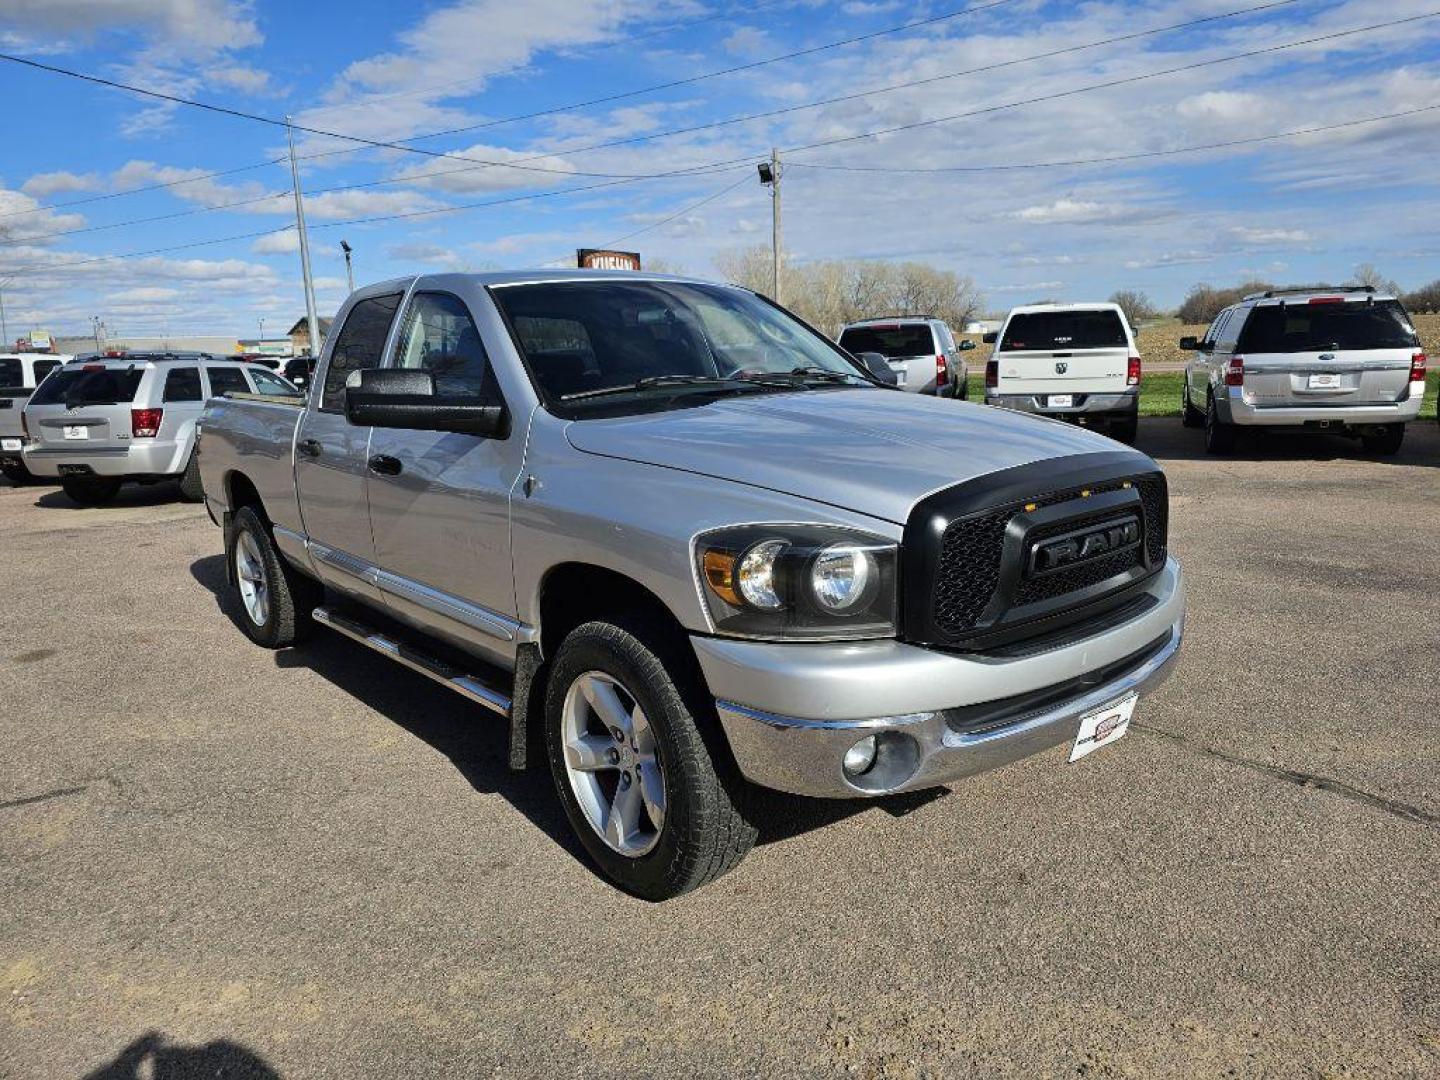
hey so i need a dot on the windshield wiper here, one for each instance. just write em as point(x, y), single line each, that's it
point(653, 381)
point(814, 371)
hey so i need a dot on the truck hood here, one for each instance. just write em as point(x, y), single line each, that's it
point(870, 451)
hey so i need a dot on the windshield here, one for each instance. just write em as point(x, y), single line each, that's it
point(658, 344)
point(1051, 330)
point(11, 373)
point(1291, 328)
point(97, 386)
point(891, 342)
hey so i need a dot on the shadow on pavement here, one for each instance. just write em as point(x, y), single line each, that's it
point(1165, 437)
point(150, 1057)
point(159, 493)
point(477, 743)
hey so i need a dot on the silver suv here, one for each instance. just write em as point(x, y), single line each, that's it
point(1346, 361)
point(922, 352)
point(100, 421)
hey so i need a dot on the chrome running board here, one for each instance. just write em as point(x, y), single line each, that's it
point(466, 685)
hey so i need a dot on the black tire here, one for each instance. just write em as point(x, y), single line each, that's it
point(191, 489)
point(16, 473)
point(1126, 430)
point(965, 389)
point(291, 595)
point(1219, 436)
point(1387, 444)
point(90, 491)
point(1191, 417)
point(705, 832)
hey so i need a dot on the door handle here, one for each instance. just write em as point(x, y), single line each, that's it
point(309, 447)
point(385, 465)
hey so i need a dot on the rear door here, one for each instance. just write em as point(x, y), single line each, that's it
point(910, 348)
point(1327, 352)
point(331, 453)
point(1063, 352)
point(86, 407)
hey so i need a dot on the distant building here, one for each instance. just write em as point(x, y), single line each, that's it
point(213, 344)
point(983, 326)
point(300, 336)
point(273, 346)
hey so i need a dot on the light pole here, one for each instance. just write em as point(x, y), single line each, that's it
point(95, 325)
point(770, 175)
point(311, 321)
point(349, 275)
point(4, 332)
point(260, 343)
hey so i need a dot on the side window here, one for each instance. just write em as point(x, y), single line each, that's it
point(43, 368)
point(182, 384)
point(361, 344)
point(437, 335)
point(1229, 331)
point(267, 382)
point(226, 380)
point(1212, 333)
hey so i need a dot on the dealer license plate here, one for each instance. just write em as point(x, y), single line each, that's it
point(1104, 727)
point(76, 431)
point(1324, 382)
point(9, 444)
point(1061, 401)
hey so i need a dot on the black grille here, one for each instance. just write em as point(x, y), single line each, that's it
point(977, 582)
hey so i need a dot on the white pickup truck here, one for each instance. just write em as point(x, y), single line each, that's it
point(20, 373)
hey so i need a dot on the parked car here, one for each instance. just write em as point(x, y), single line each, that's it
point(20, 373)
point(1076, 362)
point(1344, 361)
point(684, 544)
point(99, 422)
point(300, 369)
point(922, 352)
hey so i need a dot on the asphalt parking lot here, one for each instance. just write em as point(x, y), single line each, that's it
point(216, 860)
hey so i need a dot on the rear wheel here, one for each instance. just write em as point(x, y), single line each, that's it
point(191, 489)
point(1191, 416)
point(1386, 444)
point(964, 394)
point(654, 801)
point(16, 472)
point(90, 490)
point(1219, 436)
point(275, 601)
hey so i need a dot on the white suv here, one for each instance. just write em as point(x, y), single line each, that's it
point(1076, 362)
point(100, 421)
point(1346, 361)
point(922, 352)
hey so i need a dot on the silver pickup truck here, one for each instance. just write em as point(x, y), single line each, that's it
point(684, 544)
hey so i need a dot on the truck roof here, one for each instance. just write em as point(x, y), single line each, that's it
point(1360, 293)
point(1027, 309)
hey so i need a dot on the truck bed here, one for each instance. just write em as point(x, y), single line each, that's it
point(254, 433)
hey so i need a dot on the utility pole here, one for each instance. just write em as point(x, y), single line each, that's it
point(95, 325)
point(260, 341)
point(5, 342)
point(775, 225)
point(311, 320)
point(349, 274)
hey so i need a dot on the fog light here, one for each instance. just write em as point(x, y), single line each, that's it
point(860, 757)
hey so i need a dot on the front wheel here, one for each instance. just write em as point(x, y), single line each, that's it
point(1386, 444)
point(90, 491)
point(654, 802)
point(275, 601)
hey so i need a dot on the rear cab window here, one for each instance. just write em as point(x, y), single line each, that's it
point(1063, 331)
point(892, 341)
point(90, 384)
point(1327, 326)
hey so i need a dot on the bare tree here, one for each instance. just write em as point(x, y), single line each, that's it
point(1136, 306)
point(1424, 299)
point(1367, 274)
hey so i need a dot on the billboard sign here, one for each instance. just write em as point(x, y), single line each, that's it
point(600, 259)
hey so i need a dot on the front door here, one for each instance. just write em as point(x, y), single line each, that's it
point(330, 454)
point(440, 501)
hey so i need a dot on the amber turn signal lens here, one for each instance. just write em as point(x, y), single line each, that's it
point(720, 576)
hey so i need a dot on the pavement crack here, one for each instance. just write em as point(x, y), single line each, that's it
point(58, 793)
point(1404, 811)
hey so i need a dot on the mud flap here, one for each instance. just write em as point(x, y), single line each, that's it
point(527, 739)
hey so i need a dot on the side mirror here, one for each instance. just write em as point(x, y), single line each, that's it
point(990, 338)
point(1189, 343)
point(878, 366)
point(402, 398)
point(966, 345)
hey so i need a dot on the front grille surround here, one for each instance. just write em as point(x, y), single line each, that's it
point(965, 585)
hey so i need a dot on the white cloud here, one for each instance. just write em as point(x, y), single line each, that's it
point(1251, 235)
point(43, 185)
point(747, 41)
point(338, 205)
point(1069, 211)
point(278, 243)
point(213, 24)
point(142, 294)
point(21, 219)
point(247, 80)
point(1229, 106)
point(457, 177)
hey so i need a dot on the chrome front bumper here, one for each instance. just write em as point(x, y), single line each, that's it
point(791, 712)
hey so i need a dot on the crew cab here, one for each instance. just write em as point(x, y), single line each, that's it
point(683, 544)
point(101, 421)
point(1345, 361)
point(1075, 362)
point(20, 373)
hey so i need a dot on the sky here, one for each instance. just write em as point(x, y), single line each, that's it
point(594, 123)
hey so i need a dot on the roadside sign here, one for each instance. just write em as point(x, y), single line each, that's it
point(600, 259)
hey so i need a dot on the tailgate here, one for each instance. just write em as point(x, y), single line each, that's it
point(11, 404)
point(1060, 371)
point(1364, 377)
point(82, 408)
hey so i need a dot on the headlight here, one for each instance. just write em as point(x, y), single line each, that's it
point(808, 582)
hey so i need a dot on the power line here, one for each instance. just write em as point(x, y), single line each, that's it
point(145, 220)
point(681, 213)
point(147, 187)
point(1111, 83)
